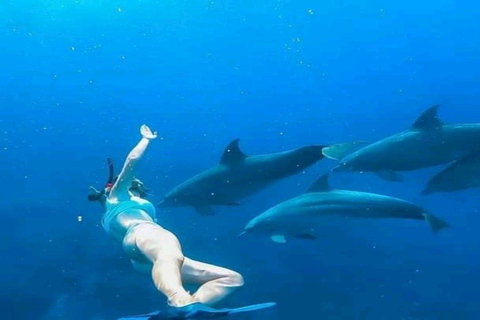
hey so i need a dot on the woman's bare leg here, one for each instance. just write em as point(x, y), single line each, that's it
point(162, 248)
point(216, 283)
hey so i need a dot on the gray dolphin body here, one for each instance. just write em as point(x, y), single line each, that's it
point(427, 143)
point(460, 175)
point(238, 176)
point(301, 216)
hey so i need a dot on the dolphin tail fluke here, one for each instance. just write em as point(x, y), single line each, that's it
point(436, 224)
point(341, 150)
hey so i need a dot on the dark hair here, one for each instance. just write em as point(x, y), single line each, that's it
point(138, 186)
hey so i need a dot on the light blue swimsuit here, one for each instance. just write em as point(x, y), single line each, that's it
point(121, 216)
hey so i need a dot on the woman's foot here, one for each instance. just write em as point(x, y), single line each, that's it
point(179, 300)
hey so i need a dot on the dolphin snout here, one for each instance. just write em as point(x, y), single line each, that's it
point(242, 233)
point(167, 202)
point(341, 167)
point(163, 204)
point(249, 227)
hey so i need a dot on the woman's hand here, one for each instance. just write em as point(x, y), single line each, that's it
point(147, 133)
point(92, 191)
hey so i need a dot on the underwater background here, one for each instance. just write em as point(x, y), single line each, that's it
point(79, 77)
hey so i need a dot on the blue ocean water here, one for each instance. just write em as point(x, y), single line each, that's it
point(79, 77)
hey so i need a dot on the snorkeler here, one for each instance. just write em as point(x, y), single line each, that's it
point(130, 219)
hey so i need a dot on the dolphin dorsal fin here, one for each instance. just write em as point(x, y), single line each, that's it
point(428, 120)
point(232, 154)
point(320, 185)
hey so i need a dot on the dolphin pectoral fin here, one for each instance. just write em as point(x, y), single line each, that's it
point(306, 236)
point(436, 224)
point(204, 210)
point(320, 185)
point(389, 175)
point(279, 238)
point(341, 150)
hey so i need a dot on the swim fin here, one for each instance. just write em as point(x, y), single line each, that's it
point(198, 311)
point(151, 315)
point(253, 307)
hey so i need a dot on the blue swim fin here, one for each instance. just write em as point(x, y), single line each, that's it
point(198, 311)
point(251, 308)
point(149, 316)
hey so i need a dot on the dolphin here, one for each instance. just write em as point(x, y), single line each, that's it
point(459, 175)
point(428, 142)
point(301, 216)
point(237, 176)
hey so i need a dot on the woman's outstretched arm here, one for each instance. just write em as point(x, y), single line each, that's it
point(120, 188)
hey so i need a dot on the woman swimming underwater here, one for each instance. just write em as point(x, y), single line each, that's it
point(130, 219)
